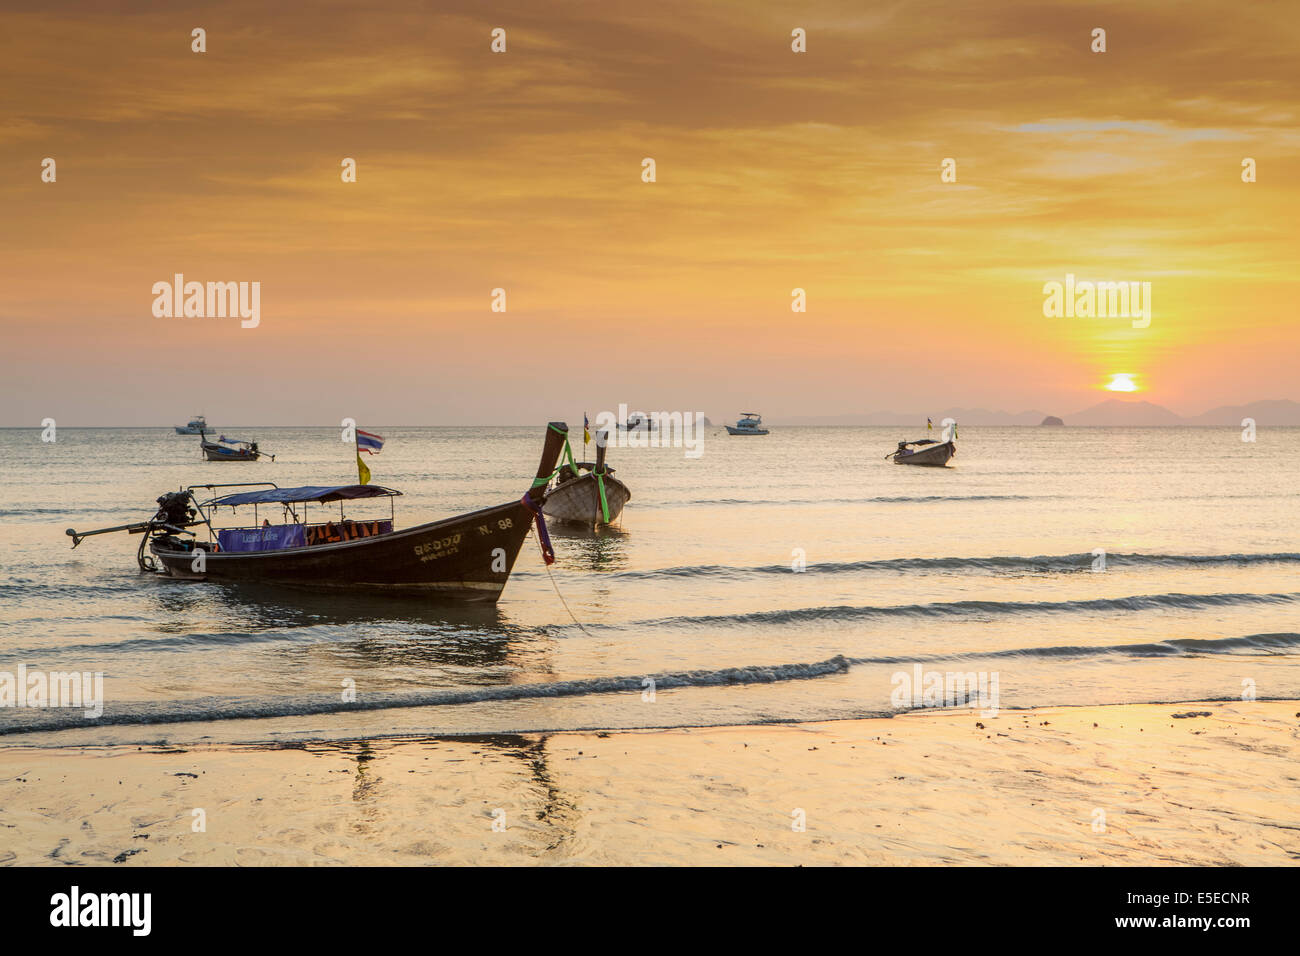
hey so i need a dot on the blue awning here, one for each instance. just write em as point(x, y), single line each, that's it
point(322, 493)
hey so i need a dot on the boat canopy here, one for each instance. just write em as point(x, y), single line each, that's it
point(322, 493)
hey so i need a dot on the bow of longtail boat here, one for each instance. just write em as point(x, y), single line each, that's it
point(467, 557)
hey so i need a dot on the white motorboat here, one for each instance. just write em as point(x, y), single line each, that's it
point(750, 423)
point(198, 425)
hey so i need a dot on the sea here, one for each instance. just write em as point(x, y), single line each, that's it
point(798, 576)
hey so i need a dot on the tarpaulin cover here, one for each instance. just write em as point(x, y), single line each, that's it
point(271, 538)
point(305, 493)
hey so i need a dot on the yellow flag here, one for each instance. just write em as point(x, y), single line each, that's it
point(363, 473)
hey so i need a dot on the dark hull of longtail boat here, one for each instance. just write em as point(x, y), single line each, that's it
point(936, 456)
point(466, 558)
point(217, 453)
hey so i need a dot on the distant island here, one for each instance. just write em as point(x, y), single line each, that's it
point(1051, 420)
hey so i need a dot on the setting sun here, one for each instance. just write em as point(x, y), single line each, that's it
point(1121, 382)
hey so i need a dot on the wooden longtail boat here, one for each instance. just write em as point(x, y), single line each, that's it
point(637, 422)
point(928, 451)
point(231, 449)
point(924, 452)
point(585, 493)
point(467, 557)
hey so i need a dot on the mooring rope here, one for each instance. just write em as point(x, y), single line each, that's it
point(546, 563)
point(572, 617)
point(548, 556)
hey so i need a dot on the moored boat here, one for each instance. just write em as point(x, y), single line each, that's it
point(638, 422)
point(467, 557)
point(750, 423)
point(231, 449)
point(927, 451)
point(587, 493)
point(924, 452)
point(197, 426)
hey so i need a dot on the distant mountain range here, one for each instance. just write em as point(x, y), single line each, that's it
point(1113, 411)
point(965, 416)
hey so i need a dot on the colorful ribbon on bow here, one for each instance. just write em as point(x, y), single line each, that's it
point(543, 538)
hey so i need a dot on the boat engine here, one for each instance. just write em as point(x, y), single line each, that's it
point(174, 509)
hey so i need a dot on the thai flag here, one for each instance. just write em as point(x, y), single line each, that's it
point(370, 444)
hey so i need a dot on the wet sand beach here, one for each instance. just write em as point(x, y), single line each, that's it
point(1185, 784)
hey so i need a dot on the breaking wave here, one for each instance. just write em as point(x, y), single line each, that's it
point(939, 611)
point(1273, 644)
point(866, 499)
point(19, 721)
point(1043, 563)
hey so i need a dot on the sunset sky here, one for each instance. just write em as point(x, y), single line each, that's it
point(523, 170)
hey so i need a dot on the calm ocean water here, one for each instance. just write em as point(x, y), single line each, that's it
point(986, 566)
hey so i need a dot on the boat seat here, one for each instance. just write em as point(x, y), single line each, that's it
point(346, 530)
